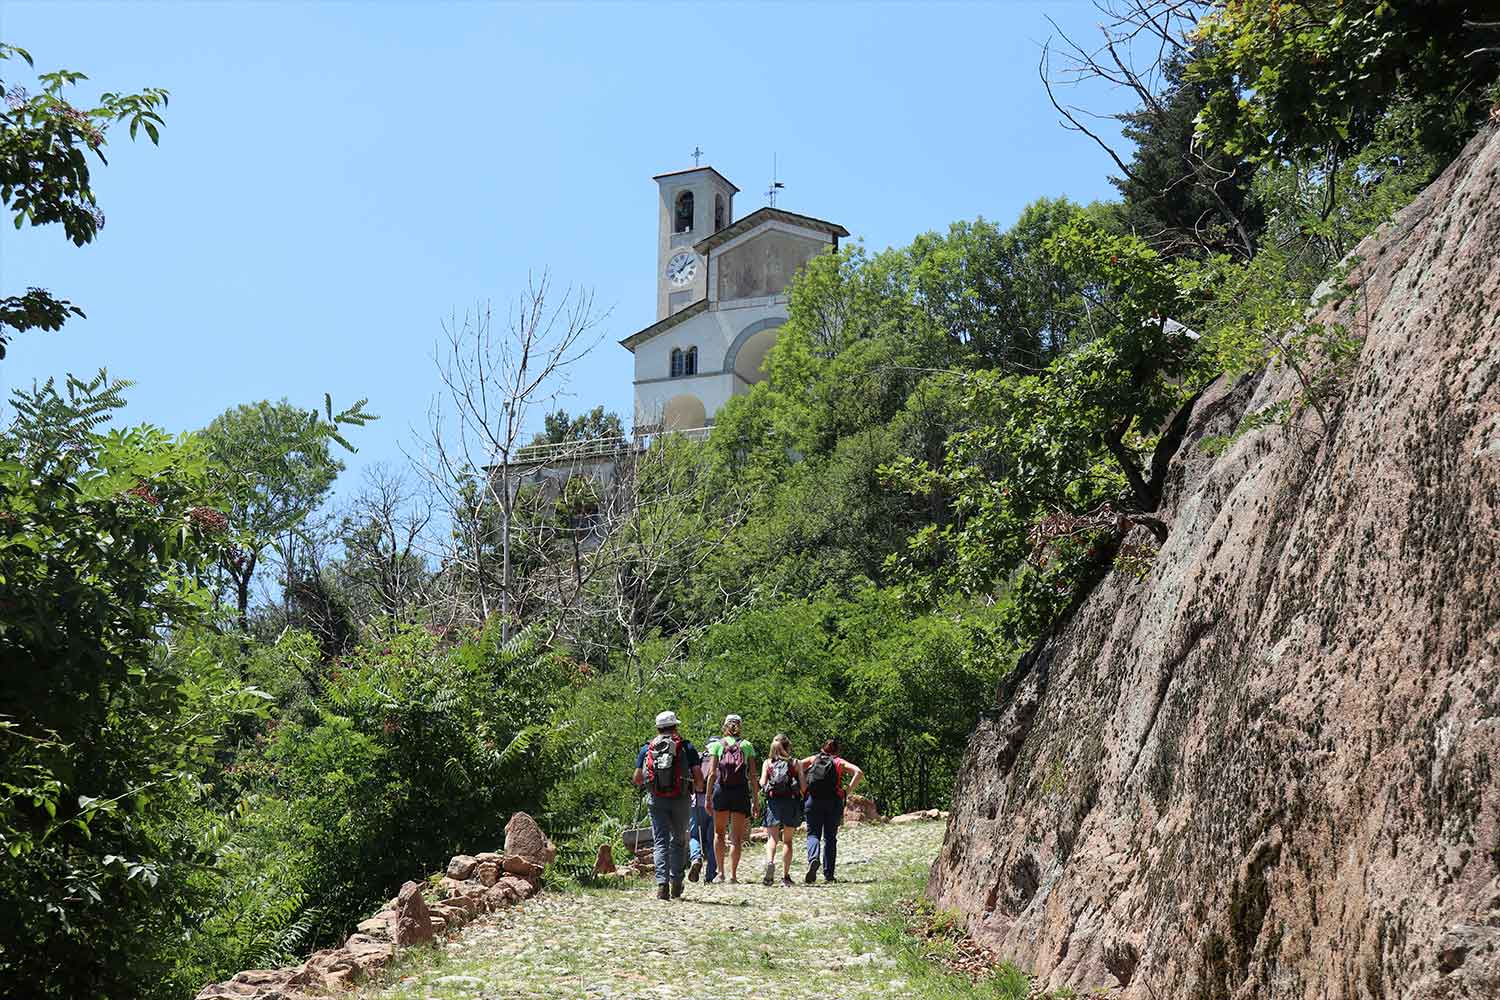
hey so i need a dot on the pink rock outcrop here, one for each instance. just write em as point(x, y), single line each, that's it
point(921, 815)
point(1271, 768)
point(461, 866)
point(514, 864)
point(524, 888)
point(473, 885)
point(858, 809)
point(524, 839)
point(413, 919)
point(256, 983)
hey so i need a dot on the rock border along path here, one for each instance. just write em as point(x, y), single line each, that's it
point(744, 941)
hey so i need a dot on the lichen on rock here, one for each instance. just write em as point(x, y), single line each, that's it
point(1268, 769)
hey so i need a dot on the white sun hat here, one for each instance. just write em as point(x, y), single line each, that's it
point(730, 720)
point(666, 720)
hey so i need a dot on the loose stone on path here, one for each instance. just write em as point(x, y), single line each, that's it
point(747, 940)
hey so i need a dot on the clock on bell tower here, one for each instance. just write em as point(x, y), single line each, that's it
point(695, 204)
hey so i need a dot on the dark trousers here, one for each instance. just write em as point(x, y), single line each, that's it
point(823, 819)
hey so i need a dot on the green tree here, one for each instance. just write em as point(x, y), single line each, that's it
point(44, 171)
point(1058, 462)
point(279, 469)
point(1176, 196)
point(410, 753)
point(913, 687)
point(862, 376)
point(105, 540)
point(593, 425)
point(1312, 79)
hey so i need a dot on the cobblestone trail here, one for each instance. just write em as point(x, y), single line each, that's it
point(743, 941)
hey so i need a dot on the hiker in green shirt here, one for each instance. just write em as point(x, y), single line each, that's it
point(735, 797)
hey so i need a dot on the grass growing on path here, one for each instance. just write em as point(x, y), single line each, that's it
point(845, 941)
point(914, 936)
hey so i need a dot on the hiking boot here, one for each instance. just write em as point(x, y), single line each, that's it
point(770, 872)
point(786, 880)
point(829, 878)
point(694, 871)
point(661, 891)
point(812, 873)
point(677, 889)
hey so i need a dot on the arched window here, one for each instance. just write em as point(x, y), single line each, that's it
point(677, 362)
point(684, 223)
point(690, 366)
point(718, 212)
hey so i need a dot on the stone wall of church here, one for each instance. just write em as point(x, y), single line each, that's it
point(763, 265)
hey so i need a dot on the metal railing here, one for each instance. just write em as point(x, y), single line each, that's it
point(598, 448)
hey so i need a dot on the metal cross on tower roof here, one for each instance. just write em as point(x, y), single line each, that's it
point(697, 155)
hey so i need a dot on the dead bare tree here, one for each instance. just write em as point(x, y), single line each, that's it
point(562, 531)
point(621, 542)
point(665, 531)
point(383, 532)
point(1140, 40)
point(494, 381)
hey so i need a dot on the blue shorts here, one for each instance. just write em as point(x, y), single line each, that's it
point(784, 812)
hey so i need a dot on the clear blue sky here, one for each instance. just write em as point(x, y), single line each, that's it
point(335, 179)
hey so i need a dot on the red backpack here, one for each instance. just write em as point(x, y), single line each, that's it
point(732, 763)
point(663, 766)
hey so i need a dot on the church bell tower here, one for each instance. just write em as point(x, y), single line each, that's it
point(695, 204)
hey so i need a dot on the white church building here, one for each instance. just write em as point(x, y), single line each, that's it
point(720, 298)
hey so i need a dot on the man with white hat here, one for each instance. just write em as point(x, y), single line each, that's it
point(667, 767)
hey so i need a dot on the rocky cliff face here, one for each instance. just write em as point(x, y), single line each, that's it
point(1271, 768)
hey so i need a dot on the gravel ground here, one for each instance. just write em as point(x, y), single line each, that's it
point(743, 941)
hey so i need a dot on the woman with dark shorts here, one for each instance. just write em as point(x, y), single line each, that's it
point(823, 773)
point(781, 779)
point(734, 796)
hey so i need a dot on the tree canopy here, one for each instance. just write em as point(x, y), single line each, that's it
point(44, 170)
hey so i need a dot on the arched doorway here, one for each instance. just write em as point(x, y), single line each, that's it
point(749, 363)
point(684, 412)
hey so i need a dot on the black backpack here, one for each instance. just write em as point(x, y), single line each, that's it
point(823, 777)
point(663, 770)
point(783, 783)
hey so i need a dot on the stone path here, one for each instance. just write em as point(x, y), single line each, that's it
point(742, 941)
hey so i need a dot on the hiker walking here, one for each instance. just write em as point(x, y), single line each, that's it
point(734, 797)
point(700, 839)
point(781, 778)
point(824, 774)
point(665, 766)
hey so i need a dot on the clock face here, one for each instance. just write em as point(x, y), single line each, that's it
point(682, 268)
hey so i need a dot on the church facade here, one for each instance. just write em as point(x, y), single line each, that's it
point(720, 298)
